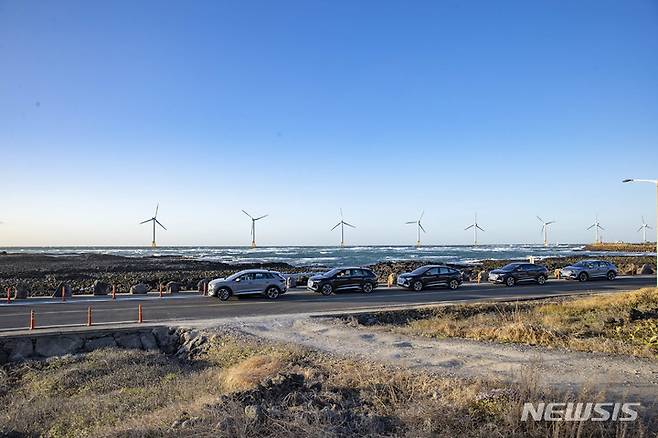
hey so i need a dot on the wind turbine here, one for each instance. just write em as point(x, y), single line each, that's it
point(342, 224)
point(643, 228)
point(544, 229)
point(596, 225)
point(154, 219)
point(253, 227)
point(475, 227)
point(419, 227)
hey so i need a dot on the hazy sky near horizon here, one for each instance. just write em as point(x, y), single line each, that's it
point(297, 108)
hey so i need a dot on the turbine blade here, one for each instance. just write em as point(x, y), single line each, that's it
point(550, 222)
point(480, 228)
point(259, 218)
point(412, 222)
point(158, 222)
point(591, 226)
point(147, 220)
point(422, 213)
point(540, 219)
point(648, 226)
point(247, 213)
point(468, 228)
point(421, 227)
point(601, 228)
point(341, 214)
point(335, 226)
point(640, 229)
point(156, 210)
point(349, 225)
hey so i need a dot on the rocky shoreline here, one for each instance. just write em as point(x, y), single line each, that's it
point(42, 275)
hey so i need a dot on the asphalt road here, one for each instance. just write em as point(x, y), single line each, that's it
point(188, 306)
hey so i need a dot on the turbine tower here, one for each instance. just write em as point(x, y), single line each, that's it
point(596, 225)
point(475, 227)
point(643, 228)
point(342, 224)
point(419, 227)
point(154, 219)
point(544, 229)
point(253, 227)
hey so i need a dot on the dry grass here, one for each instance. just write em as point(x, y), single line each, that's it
point(247, 374)
point(248, 388)
point(622, 323)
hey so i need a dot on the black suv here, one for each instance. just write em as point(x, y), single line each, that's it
point(430, 276)
point(518, 273)
point(340, 279)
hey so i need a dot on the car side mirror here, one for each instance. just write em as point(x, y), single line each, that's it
point(237, 280)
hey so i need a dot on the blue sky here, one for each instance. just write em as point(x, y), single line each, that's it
point(298, 108)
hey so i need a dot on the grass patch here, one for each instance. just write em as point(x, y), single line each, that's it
point(622, 323)
point(244, 387)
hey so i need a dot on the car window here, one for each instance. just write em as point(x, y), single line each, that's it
point(419, 271)
point(432, 271)
point(357, 273)
point(244, 277)
point(443, 271)
point(343, 273)
point(589, 265)
point(260, 276)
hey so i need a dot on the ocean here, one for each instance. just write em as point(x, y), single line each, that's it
point(333, 256)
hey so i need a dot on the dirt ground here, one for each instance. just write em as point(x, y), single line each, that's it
point(629, 378)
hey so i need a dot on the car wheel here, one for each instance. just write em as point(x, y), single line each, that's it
point(511, 281)
point(223, 294)
point(541, 280)
point(272, 292)
point(326, 289)
point(582, 276)
point(454, 284)
point(366, 288)
point(418, 286)
point(611, 275)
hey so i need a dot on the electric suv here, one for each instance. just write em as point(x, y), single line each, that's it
point(430, 276)
point(342, 279)
point(519, 273)
point(252, 281)
point(588, 269)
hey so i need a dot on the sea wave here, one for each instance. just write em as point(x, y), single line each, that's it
point(332, 256)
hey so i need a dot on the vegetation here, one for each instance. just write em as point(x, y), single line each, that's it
point(620, 323)
point(243, 387)
point(622, 247)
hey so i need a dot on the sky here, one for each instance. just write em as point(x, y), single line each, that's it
point(296, 109)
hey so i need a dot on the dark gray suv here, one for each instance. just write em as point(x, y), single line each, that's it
point(514, 273)
point(587, 269)
point(343, 279)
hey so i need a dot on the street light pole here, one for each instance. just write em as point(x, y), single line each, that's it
point(655, 182)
